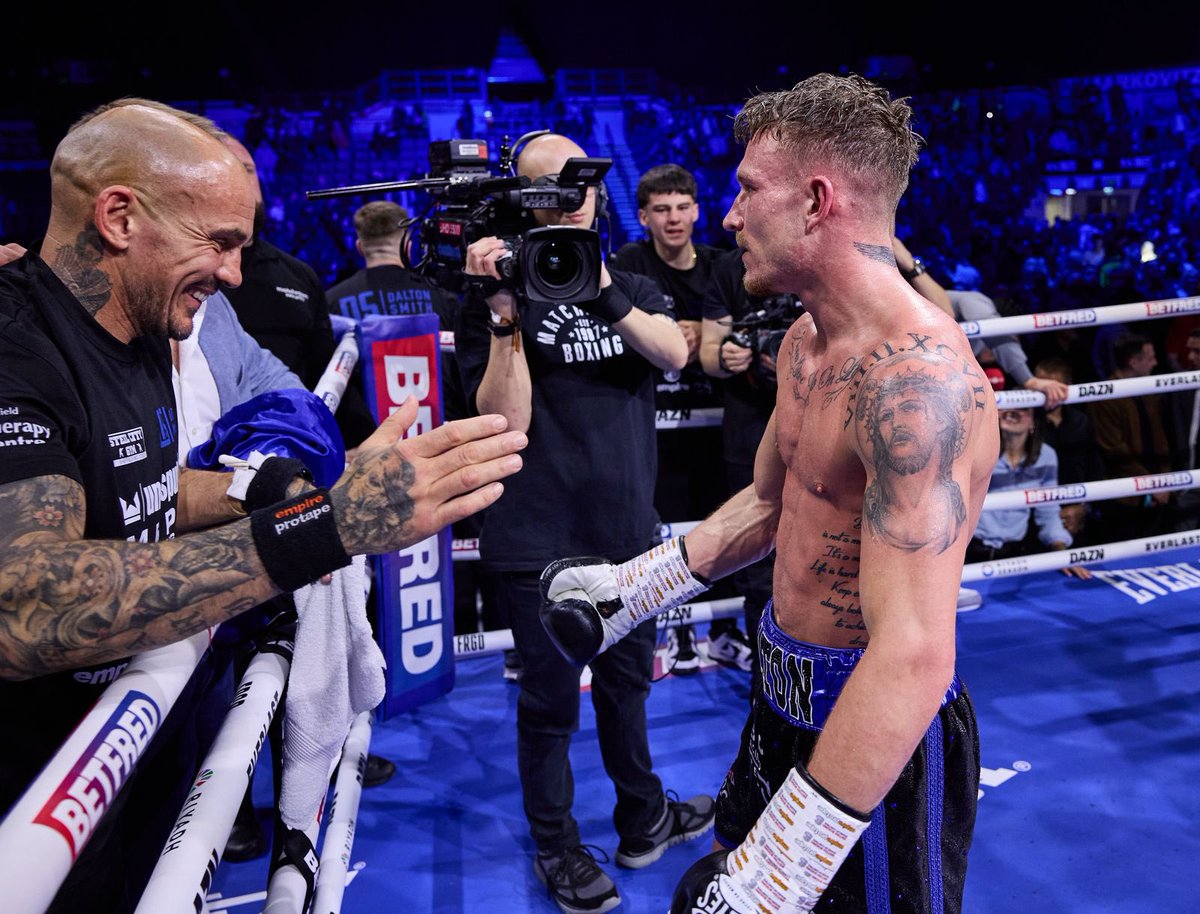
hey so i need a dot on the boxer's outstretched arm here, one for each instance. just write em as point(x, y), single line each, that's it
point(67, 602)
point(589, 604)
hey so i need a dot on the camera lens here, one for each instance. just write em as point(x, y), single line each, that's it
point(557, 264)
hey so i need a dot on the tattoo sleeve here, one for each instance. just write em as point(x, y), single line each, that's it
point(67, 602)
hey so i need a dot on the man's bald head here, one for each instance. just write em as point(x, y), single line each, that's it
point(243, 155)
point(546, 155)
point(149, 212)
point(147, 146)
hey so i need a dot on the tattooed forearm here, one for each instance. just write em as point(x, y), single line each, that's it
point(375, 503)
point(65, 605)
point(78, 268)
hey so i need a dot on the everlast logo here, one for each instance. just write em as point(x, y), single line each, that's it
point(301, 513)
point(788, 680)
point(89, 788)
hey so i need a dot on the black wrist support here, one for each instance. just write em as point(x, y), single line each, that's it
point(271, 481)
point(844, 807)
point(610, 305)
point(297, 540)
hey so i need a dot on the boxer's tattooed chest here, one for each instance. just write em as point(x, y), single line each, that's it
point(826, 382)
point(834, 570)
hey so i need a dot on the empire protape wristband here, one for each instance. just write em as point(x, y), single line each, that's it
point(271, 481)
point(297, 539)
point(610, 305)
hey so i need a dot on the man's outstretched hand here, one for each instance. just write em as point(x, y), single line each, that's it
point(399, 491)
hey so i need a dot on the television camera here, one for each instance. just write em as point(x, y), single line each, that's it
point(762, 332)
point(551, 264)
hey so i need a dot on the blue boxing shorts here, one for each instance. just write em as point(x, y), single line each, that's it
point(912, 859)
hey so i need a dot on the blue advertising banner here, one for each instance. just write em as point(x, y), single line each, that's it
point(400, 358)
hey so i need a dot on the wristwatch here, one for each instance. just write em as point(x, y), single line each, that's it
point(917, 269)
point(504, 326)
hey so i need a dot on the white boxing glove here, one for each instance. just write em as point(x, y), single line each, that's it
point(589, 604)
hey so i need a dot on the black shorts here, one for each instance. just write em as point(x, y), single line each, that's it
point(913, 856)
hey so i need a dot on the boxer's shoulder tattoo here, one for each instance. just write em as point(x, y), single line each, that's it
point(78, 266)
point(913, 410)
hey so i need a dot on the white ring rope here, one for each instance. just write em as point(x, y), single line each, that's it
point(343, 815)
point(331, 386)
point(1100, 490)
point(1085, 555)
point(1103, 390)
point(43, 834)
point(1092, 317)
point(183, 874)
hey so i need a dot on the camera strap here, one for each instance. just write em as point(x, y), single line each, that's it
point(484, 286)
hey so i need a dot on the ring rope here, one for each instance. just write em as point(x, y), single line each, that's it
point(343, 814)
point(1086, 555)
point(44, 832)
point(1045, 321)
point(193, 850)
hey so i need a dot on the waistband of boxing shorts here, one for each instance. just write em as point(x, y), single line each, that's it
point(801, 681)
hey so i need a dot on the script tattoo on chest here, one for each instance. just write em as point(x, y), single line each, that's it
point(827, 380)
point(837, 568)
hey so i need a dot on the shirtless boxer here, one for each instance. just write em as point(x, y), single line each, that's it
point(868, 483)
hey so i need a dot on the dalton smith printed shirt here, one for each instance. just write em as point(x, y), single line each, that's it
point(76, 402)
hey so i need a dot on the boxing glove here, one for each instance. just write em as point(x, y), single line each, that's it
point(785, 863)
point(589, 604)
point(706, 888)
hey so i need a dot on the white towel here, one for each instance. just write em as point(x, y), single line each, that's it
point(337, 673)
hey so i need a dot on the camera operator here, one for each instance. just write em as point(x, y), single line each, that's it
point(745, 358)
point(580, 379)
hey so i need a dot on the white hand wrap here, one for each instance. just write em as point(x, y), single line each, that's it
point(793, 850)
point(243, 472)
point(656, 581)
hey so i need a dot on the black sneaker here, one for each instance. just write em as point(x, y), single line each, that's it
point(512, 665)
point(576, 882)
point(379, 770)
point(681, 651)
point(680, 822)
point(732, 649)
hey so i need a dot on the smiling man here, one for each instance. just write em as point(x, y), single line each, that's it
point(149, 212)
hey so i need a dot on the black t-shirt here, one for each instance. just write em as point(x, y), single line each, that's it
point(692, 388)
point(749, 396)
point(76, 402)
point(392, 290)
point(587, 484)
point(281, 303)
